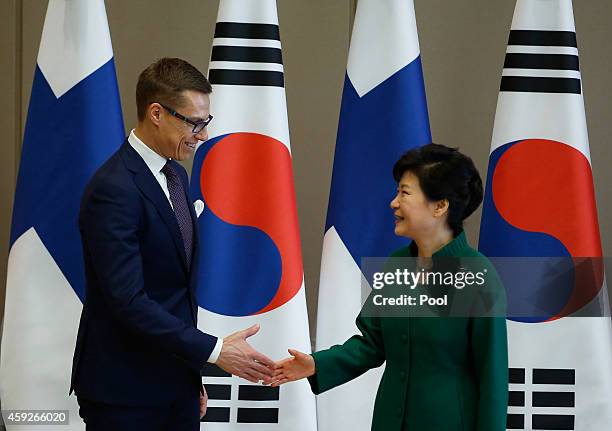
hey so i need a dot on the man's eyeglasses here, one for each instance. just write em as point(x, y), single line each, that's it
point(198, 126)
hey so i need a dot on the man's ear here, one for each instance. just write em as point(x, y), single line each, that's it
point(441, 208)
point(154, 113)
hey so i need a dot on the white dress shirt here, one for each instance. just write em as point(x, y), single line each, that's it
point(155, 163)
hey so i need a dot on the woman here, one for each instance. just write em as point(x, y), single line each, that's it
point(444, 373)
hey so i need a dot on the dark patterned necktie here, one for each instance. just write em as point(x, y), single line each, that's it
point(181, 209)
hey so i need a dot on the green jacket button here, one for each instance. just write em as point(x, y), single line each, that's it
point(399, 412)
point(404, 338)
point(403, 376)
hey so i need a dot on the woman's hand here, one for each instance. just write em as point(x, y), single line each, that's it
point(296, 367)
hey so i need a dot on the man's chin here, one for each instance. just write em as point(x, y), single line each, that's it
point(185, 153)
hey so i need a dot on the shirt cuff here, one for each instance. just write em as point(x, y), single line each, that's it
point(216, 351)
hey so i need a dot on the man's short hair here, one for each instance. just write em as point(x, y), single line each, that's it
point(165, 80)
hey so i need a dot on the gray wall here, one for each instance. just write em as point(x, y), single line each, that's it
point(462, 45)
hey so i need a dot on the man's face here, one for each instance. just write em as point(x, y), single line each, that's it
point(177, 140)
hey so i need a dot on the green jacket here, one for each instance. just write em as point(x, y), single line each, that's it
point(441, 374)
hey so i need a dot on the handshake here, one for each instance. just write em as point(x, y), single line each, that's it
point(239, 358)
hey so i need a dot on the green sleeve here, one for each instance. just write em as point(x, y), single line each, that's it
point(341, 363)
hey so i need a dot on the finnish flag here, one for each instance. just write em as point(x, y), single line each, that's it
point(74, 124)
point(383, 115)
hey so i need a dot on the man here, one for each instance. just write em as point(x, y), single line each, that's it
point(139, 353)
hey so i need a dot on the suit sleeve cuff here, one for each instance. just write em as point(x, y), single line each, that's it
point(216, 351)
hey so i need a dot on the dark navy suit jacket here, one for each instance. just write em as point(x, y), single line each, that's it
point(138, 342)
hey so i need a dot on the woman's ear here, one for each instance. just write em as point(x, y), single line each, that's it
point(440, 208)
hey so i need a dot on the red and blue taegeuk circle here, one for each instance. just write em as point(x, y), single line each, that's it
point(250, 260)
point(540, 203)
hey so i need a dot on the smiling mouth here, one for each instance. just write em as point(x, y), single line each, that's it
point(191, 145)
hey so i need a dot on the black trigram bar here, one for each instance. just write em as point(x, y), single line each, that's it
point(552, 422)
point(246, 77)
point(217, 414)
point(547, 376)
point(516, 398)
point(218, 392)
point(257, 416)
point(516, 375)
point(258, 393)
point(244, 30)
point(542, 38)
point(252, 54)
point(553, 399)
point(532, 84)
point(515, 422)
point(211, 370)
point(541, 61)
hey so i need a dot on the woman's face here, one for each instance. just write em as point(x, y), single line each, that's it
point(414, 214)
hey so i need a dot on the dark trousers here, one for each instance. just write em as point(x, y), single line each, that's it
point(181, 415)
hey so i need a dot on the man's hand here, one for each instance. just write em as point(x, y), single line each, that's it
point(203, 401)
point(298, 366)
point(239, 358)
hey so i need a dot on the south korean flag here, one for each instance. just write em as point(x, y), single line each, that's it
point(540, 204)
point(250, 265)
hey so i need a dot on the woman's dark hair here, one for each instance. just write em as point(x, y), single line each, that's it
point(444, 173)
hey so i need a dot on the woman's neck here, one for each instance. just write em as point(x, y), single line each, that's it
point(431, 243)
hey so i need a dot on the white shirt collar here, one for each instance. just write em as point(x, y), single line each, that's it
point(154, 161)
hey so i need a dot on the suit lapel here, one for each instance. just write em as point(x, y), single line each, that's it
point(149, 186)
